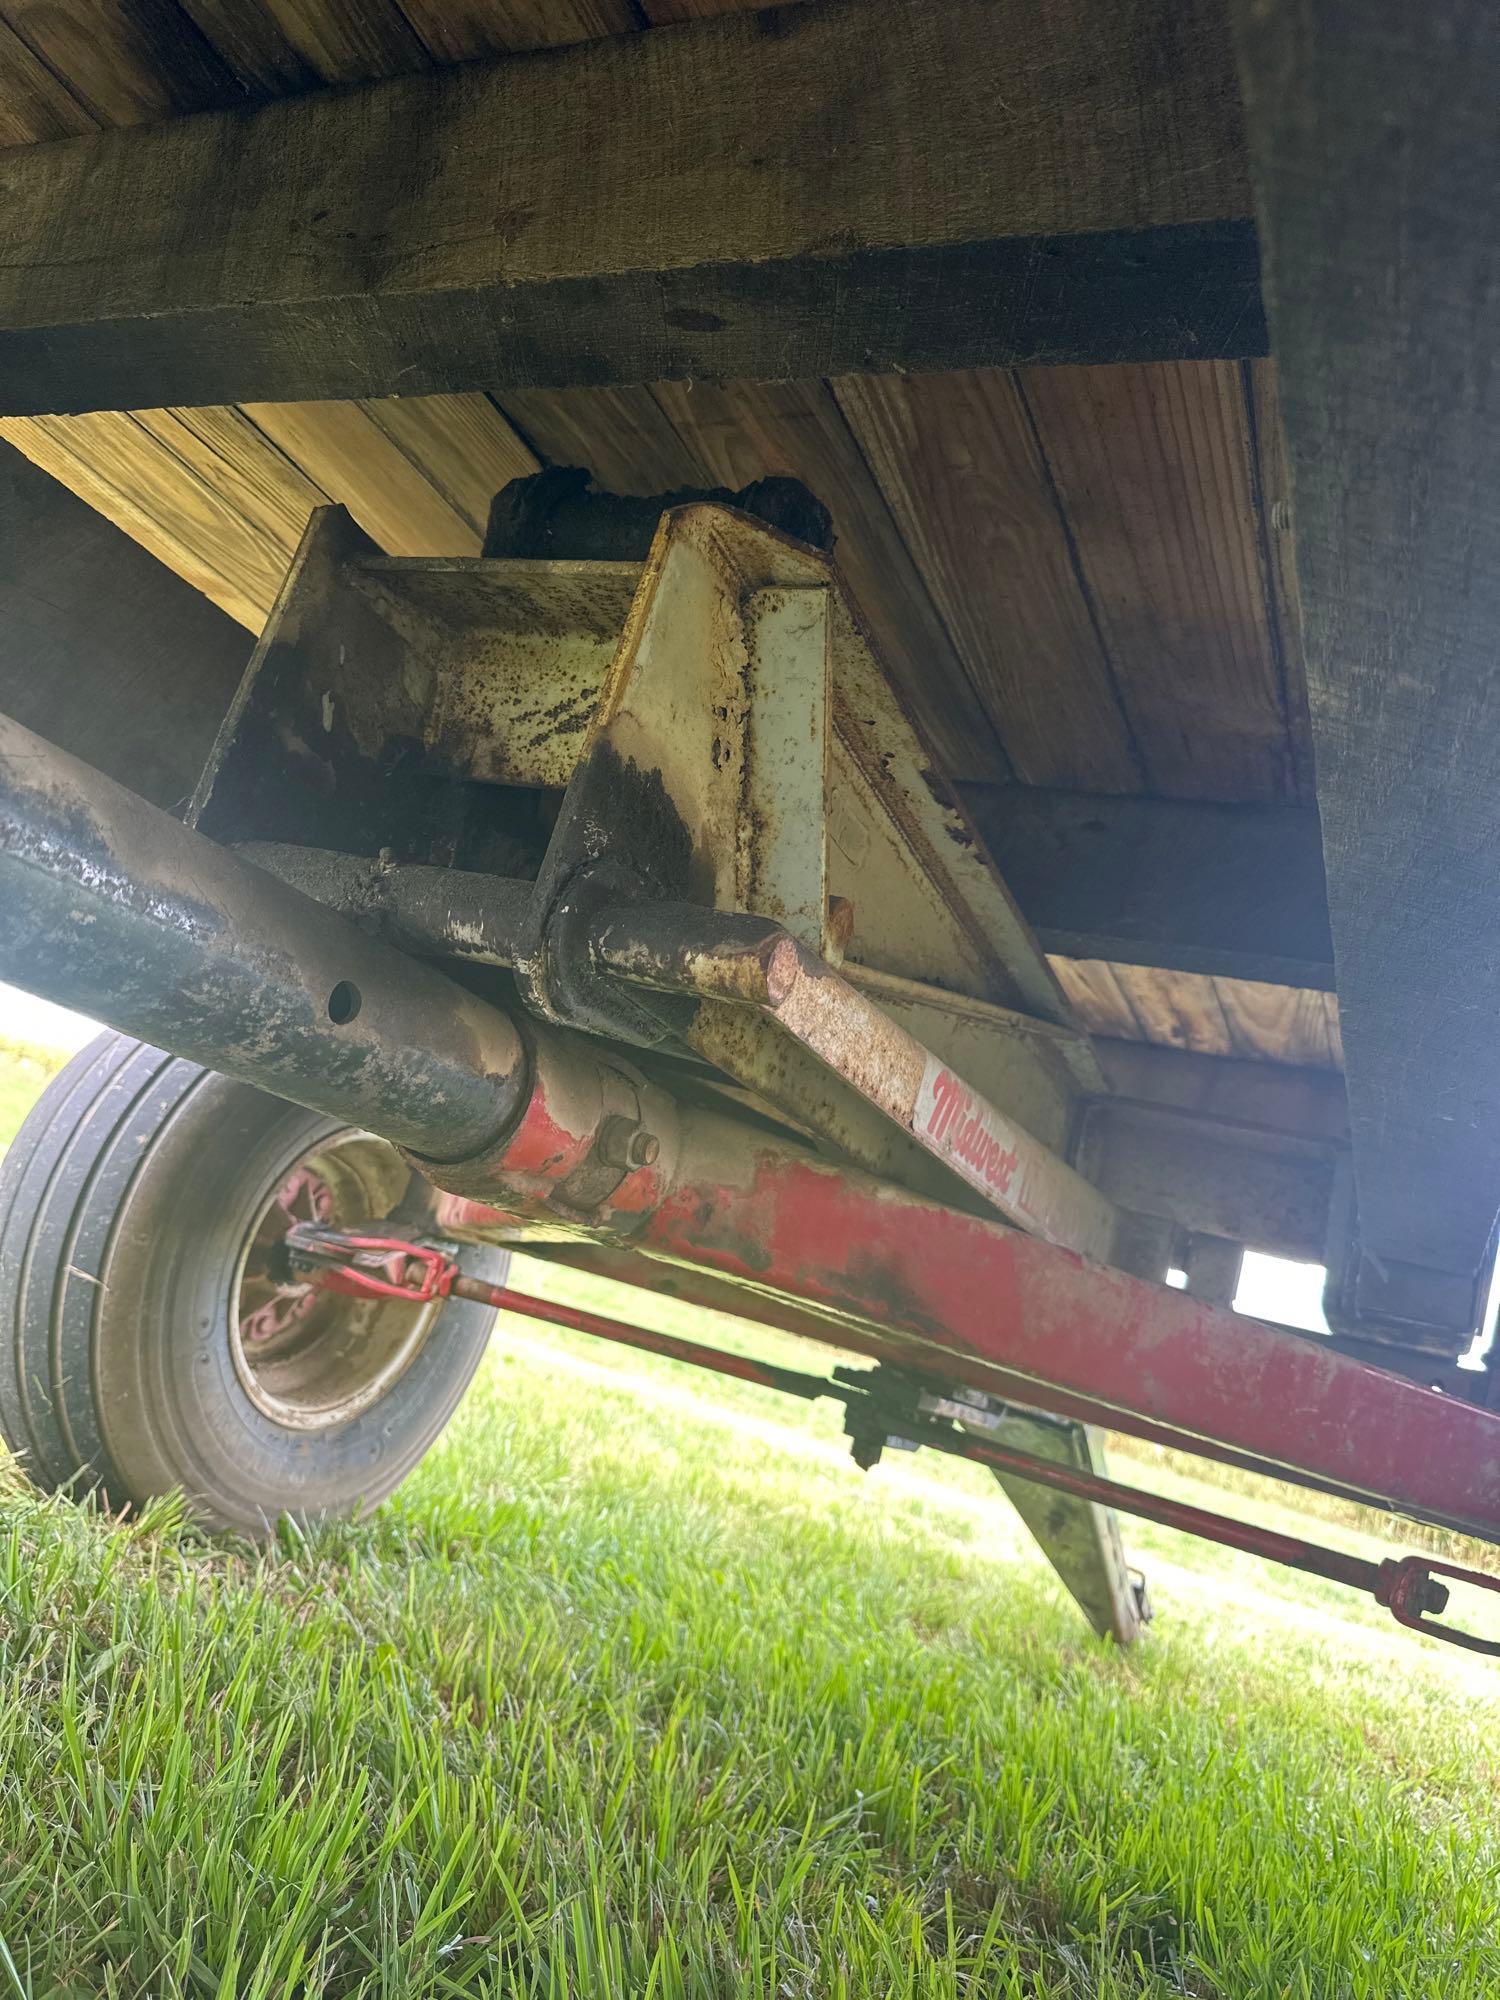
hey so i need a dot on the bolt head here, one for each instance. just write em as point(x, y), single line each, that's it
point(625, 1143)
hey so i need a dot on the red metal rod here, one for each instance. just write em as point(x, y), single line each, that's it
point(790, 1381)
point(1405, 1585)
point(1290, 1550)
point(1355, 1571)
point(375, 1267)
point(687, 1285)
point(943, 1285)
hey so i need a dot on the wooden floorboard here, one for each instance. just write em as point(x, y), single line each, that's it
point(1178, 1010)
point(460, 30)
point(622, 435)
point(461, 445)
point(35, 103)
point(957, 462)
point(222, 495)
point(661, 13)
point(1097, 998)
point(728, 434)
point(409, 477)
point(136, 482)
point(1153, 468)
point(126, 64)
point(1268, 1021)
point(240, 464)
point(1204, 1016)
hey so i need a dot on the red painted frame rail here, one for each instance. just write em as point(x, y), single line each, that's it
point(988, 1306)
point(393, 1267)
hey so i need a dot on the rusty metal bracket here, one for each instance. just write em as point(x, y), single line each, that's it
point(710, 727)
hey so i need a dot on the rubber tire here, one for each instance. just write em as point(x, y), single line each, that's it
point(124, 1203)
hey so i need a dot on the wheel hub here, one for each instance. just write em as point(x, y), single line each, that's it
point(310, 1359)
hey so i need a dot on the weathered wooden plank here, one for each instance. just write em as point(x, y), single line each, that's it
point(1213, 1018)
point(1301, 1103)
point(462, 445)
point(957, 460)
point(1219, 1017)
point(1241, 1187)
point(128, 476)
point(222, 496)
point(1177, 1010)
point(247, 36)
point(635, 440)
point(738, 432)
point(1190, 887)
point(1276, 1023)
point(1377, 154)
point(462, 30)
point(504, 224)
point(241, 465)
point(338, 41)
point(660, 12)
point(126, 65)
point(1153, 467)
point(99, 643)
point(72, 470)
point(1097, 998)
point(623, 435)
point(35, 104)
point(380, 465)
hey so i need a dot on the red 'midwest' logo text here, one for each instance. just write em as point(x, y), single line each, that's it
point(957, 1125)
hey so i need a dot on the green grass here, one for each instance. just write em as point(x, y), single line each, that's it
point(24, 1071)
point(638, 1689)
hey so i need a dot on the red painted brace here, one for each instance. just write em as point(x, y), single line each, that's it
point(968, 1299)
point(392, 1267)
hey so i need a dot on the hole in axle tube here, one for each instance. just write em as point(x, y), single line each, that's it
point(343, 1003)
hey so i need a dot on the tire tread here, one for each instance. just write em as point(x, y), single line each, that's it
point(104, 1203)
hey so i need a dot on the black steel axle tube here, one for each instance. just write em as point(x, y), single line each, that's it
point(118, 910)
point(447, 912)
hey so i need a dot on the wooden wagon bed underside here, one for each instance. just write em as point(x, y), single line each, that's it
point(1069, 517)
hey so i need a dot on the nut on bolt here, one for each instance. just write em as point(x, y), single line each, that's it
point(625, 1142)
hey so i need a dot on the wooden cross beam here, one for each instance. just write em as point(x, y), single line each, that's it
point(1377, 153)
point(923, 184)
point(1235, 891)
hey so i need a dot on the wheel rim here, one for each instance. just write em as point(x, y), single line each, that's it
point(310, 1359)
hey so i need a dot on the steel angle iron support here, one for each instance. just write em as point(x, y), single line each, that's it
point(747, 754)
point(680, 949)
point(742, 756)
